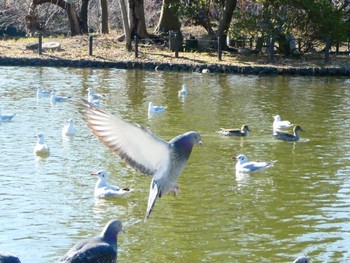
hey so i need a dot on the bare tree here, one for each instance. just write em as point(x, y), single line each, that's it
point(225, 21)
point(126, 26)
point(168, 17)
point(104, 24)
point(33, 24)
point(137, 21)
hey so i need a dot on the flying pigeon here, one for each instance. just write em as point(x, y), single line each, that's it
point(142, 150)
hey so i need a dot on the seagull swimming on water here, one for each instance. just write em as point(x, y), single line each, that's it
point(279, 124)
point(7, 117)
point(100, 249)
point(152, 109)
point(54, 98)
point(92, 95)
point(244, 166)
point(69, 128)
point(183, 91)
point(142, 150)
point(41, 93)
point(104, 190)
point(41, 148)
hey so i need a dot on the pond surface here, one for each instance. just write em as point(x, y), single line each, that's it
point(299, 207)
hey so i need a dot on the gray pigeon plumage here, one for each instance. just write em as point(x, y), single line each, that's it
point(8, 258)
point(142, 150)
point(101, 249)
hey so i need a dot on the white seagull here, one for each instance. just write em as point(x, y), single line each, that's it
point(6, 117)
point(69, 128)
point(152, 109)
point(183, 91)
point(243, 166)
point(41, 148)
point(92, 95)
point(279, 124)
point(104, 190)
point(54, 98)
point(41, 93)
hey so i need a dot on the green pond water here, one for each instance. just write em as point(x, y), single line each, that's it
point(299, 207)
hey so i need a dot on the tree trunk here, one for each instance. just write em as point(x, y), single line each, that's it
point(104, 11)
point(137, 21)
point(73, 19)
point(168, 20)
point(127, 31)
point(84, 16)
point(224, 23)
point(70, 9)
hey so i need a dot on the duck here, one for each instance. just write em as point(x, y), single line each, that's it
point(69, 128)
point(244, 131)
point(278, 124)
point(288, 136)
point(244, 166)
point(6, 117)
point(41, 148)
point(152, 109)
point(183, 91)
point(104, 190)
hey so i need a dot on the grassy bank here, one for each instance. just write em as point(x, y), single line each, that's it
point(106, 48)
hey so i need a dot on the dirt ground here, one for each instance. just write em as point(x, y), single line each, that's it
point(108, 48)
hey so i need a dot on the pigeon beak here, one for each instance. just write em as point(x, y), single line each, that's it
point(94, 174)
point(200, 143)
point(234, 158)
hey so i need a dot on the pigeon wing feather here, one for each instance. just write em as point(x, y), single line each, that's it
point(133, 143)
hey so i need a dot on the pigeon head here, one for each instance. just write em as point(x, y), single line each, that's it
point(240, 158)
point(184, 143)
point(111, 230)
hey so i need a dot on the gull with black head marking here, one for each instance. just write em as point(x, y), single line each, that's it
point(142, 150)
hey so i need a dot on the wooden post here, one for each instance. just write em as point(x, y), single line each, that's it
point(40, 45)
point(272, 49)
point(219, 49)
point(136, 46)
point(176, 46)
point(90, 45)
